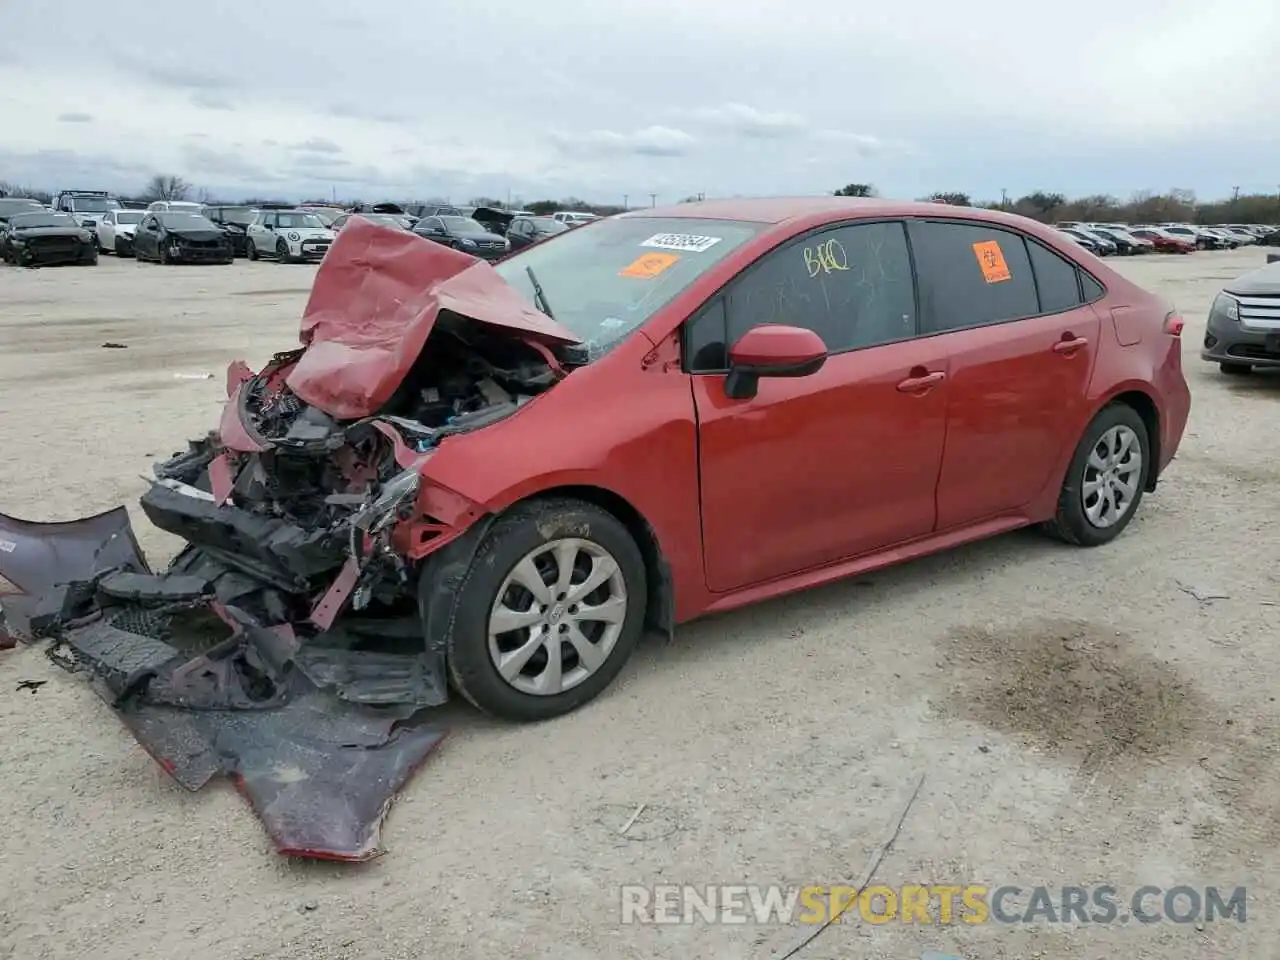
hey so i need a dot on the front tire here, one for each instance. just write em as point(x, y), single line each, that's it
point(1236, 369)
point(549, 612)
point(121, 251)
point(282, 251)
point(250, 250)
point(1106, 479)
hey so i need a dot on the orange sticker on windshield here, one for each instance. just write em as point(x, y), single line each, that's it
point(991, 260)
point(649, 265)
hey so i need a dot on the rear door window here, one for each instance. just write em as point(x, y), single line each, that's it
point(971, 274)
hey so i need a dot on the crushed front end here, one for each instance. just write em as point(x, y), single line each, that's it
point(295, 639)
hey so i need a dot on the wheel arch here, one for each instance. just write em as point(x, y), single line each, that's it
point(1144, 405)
point(660, 603)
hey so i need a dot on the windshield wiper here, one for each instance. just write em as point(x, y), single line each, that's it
point(539, 298)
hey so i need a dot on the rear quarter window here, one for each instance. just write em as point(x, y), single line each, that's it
point(971, 274)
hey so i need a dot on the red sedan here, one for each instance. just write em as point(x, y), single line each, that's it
point(1165, 242)
point(659, 415)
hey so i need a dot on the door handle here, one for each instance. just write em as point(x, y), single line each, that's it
point(915, 384)
point(1070, 346)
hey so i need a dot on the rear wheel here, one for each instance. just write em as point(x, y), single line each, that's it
point(549, 612)
point(1236, 369)
point(1106, 479)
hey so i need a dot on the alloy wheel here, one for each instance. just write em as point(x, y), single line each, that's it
point(557, 616)
point(1112, 474)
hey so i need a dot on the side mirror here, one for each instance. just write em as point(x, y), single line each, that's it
point(772, 350)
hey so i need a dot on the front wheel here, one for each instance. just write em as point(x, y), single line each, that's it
point(120, 248)
point(1106, 479)
point(164, 255)
point(282, 251)
point(251, 251)
point(549, 612)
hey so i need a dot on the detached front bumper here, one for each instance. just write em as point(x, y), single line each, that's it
point(318, 734)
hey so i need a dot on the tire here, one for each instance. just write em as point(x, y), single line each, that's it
point(1236, 369)
point(163, 255)
point(282, 251)
point(1072, 523)
point(530, 529)
point(250, 250)
point(120, 249)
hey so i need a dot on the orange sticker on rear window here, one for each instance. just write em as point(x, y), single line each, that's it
point(991, 260)
point(649, 265)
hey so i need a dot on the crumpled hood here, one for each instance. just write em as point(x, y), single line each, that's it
point(1265, 281)
point(376, 298)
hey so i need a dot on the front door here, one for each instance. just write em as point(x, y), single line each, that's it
point(838, 464)
point(1020, 343)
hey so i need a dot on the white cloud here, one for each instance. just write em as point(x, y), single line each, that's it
point(723, 96)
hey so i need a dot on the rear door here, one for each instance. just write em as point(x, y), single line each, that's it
point(1020, 341)
point(837, 464)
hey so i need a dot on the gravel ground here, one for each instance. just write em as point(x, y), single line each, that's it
point(1082, 718)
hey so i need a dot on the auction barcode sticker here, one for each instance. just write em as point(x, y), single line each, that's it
point(687, 242)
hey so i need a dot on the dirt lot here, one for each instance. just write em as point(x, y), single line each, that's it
point(1081, 716)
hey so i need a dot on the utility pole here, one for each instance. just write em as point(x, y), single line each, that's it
point(653, 199)
point(1004, 198)
point(1235, 194)
point(624, 203)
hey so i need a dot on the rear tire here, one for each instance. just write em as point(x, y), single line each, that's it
point(1095, 474)
point(1236, 369)
point(530, 537)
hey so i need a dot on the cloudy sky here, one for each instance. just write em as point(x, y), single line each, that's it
point(606, 99)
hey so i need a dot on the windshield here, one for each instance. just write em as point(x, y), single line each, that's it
point(43, 219)
point(549, 226)
point(93, 204)
point(129, 216)
point(462, 225)
point(299, 221)
point(605, 282)
point(186, 221)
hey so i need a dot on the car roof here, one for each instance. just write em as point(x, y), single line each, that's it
point(780, 210)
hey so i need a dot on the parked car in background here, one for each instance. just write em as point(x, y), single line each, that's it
point(573, 218)
point(1163, 241)
point(177, 206)
point(1225, 240)
point(463, 233)
point(47, 237)
point(1094, 244)
point(1243, 329)
point(115, 231)
point(1193, 235)
point(87, 206)
point(525, 231)
point(289, 236)
point(420, 210)
point(400, 222)
point(1126, 244)
point(9, 206)
point(1270, 240)
point(180, 236)
point(327, 214)
point(234, 220)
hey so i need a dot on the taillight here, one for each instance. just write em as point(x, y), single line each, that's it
point(1173, 323)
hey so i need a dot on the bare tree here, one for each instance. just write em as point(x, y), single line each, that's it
point(856, 190)
point(166, 187)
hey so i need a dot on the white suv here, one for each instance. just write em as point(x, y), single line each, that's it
point(571, 218)
point(288, 236)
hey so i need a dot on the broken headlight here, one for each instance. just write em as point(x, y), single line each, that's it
point(384, 510)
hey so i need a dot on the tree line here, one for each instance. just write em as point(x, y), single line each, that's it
point(1145, 206)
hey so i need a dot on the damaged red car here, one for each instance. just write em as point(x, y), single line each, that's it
point(489, 478)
